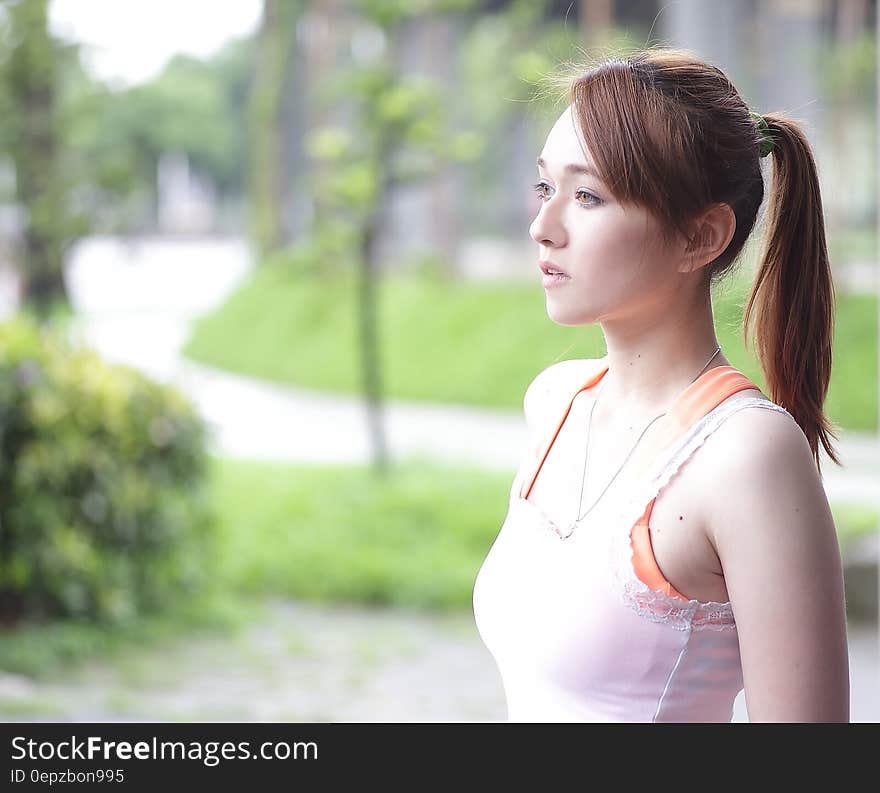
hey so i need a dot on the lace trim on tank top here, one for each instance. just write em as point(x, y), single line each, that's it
point(654, 604)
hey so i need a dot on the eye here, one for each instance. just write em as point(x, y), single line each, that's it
point(538, 187)
point(592, 199)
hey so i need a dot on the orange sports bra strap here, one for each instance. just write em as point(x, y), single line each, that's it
point(705, 395)
point(711, 391)
point(597, 370)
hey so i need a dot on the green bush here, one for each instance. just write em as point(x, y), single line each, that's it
point(104, 511)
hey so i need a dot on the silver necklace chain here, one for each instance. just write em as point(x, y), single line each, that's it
point(575, 524)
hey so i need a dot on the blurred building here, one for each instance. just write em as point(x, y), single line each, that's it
point(775, 52)
point(186, 200)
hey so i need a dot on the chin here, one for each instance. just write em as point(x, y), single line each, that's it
point(570, 317)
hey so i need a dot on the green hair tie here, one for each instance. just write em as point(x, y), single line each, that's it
point(764, 129)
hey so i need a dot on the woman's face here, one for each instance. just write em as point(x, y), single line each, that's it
point(613, 256)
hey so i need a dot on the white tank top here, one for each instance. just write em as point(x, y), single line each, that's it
point(575, 633)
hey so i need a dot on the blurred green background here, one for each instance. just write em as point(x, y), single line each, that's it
point(335, 200)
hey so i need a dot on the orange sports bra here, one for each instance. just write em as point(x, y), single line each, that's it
point(699, 398)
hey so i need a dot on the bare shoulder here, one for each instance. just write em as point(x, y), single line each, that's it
point(758, 437)
point(756, 451)
point(552, 387)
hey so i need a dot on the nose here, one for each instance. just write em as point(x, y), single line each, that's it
point(546, 228)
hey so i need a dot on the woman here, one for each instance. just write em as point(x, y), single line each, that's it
point(670, 543)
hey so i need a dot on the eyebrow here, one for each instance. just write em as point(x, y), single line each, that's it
point(586, 170)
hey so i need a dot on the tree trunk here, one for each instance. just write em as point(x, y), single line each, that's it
point(30, 77)
point(269, 121)
point(370, 358)
point(595, 18)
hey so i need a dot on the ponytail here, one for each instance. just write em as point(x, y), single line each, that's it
point(792, 299)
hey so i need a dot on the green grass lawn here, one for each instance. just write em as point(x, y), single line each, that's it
point(323, 533)
point(470, 343)
point(336, 533)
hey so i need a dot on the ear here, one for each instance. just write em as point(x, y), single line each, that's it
point(712, 231)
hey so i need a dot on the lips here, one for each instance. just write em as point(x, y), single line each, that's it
point(548, 268)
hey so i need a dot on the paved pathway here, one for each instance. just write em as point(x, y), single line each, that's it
point(309, 662)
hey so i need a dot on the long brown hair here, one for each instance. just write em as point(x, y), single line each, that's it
point(670, 133)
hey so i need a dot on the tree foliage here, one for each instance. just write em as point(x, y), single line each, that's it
point(397, 131)
point(193, 106)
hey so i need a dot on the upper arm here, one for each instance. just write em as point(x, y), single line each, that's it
point(775, 536)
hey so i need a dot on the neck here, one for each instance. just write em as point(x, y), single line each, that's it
point(652, 360)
